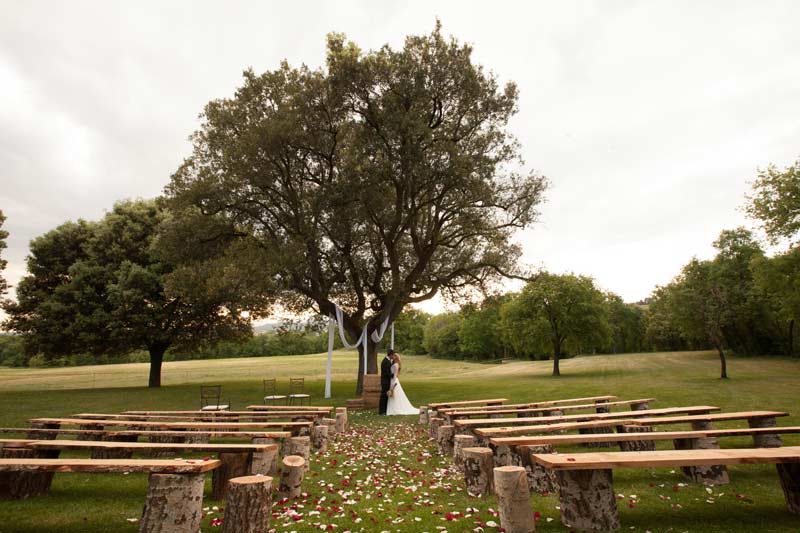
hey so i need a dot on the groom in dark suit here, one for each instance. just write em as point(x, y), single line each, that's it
point(386, 381)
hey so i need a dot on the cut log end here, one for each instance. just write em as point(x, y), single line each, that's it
point(248, 508)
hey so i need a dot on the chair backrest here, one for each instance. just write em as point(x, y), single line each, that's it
point(210, 394)
point(270, 387)
point(296, 385)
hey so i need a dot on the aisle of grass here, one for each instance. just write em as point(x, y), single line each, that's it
point(95, 503)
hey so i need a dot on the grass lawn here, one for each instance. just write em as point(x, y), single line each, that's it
point(384, 475)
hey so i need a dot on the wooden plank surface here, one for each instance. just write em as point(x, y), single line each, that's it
point(436, 405)
point(275, 408)
point(479, 422)
point(668, 458)
point(259, 407)
point(543, 403)
point(651, 435)
point(150, 433)
point(710, 417)
point(251, 415)
point(100, 466)
point(170, 425)
point(114, 445)
point(546, 428)
point(470, 412)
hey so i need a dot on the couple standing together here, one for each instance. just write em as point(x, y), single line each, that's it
point(393, 398)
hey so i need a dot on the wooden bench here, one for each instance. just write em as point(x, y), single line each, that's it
point(543, 403)
point(586, 487)
point(492, 401)
point(312, 408)
point(755, 419)
point(174, 499)
point(294, 427)
point(235, 459)
point(601, 407)
point(230, 416)
point(132, 435)
point(469, 425)
point(486, 433)
point(516, 450)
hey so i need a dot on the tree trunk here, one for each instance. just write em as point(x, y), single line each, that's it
point(514, 500)
point(249, 505)
point(723, 364)
point(556, 356)
point(791, 338)
point(174, 502)
point(156, 358)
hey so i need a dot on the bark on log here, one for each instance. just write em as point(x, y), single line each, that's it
point(514, 499)
point(298, 446)
point(43, 435)
point(435, 422)
point(21, 485)
point(602, 429)
point(445, 440)
point(459, 443)
point(789, 474)
point(478, 465)
point(423, 414)
point(708, 475)
point(765, 440)
point(89, 436)
point(587, 499)
point(502, 455)
point(341, 419)
point(233, 465)
point(641, 406)
point(291, 476)
point(265, 463)
point(331, 423)
point(174, 504)
point(249, 504)
point(636, 445)
point(319, 438)
point(541, 480)
point(602, 408)
point(110, 453)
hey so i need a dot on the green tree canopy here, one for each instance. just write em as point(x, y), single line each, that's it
point(381, 180)
point(776, 201)
point(99, 287)
point(566, 309)
point(778, 279)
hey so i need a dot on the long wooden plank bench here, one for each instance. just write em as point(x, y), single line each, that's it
point(294, 427)
point(486, 433)
point(174, 499)
point(491, 401)
point(601, 407)
point(259, 407)
point(543, 403)
point(131, 435)
point(236, 417)
point(235, 459)
point(487, 422)
point(586, 487)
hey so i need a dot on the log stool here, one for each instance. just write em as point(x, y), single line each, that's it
point(459, 443)
point(298, 446)
point(423, 414)
point(341, 419)
point(265, 463)
point(291, 476)
point(514, 499)
point(233, 465)
point(444, 438)
point(249, 505)
point(319, 438)
point(478, 465)
point(173, 504)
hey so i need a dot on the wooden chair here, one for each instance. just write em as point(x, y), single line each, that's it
point(210, 398)
point(270, 392)
point(296, 391)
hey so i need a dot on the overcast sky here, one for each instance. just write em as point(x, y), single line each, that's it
point(649, 118)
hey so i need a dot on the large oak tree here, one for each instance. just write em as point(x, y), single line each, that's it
point(378, 181)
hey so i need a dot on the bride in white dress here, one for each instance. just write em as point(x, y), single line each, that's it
point(398, 402)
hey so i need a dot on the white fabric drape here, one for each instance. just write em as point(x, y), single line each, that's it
point(362, 341)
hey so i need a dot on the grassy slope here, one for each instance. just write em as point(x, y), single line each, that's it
point(93, 503)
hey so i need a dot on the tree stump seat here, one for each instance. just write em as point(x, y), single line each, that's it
point(601, 406)
point(586, 489)
point(174, 498)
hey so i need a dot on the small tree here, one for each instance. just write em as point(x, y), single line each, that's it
point(776, 201)
point(377, 182)
point(563, 309)
point(99, 287)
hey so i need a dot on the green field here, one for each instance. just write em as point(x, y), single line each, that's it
point(95, 503)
